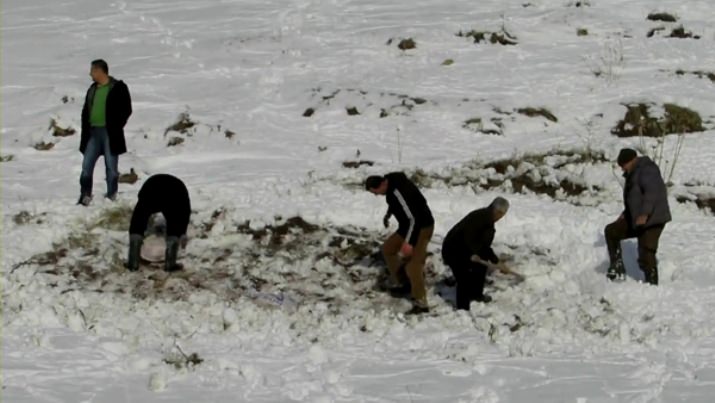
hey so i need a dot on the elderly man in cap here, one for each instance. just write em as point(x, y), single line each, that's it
point(646, 212)
point(467, 250)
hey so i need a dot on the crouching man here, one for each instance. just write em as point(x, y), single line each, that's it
point(165, 194)
point(416, 224)
point(468, 247)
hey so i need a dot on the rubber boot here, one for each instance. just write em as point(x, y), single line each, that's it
point(172, 252)
point(651, 276)
point(617, 270)
point(135, 245)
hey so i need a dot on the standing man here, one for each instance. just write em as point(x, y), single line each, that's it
point(416, 225)
point(468, 246)
point(167, 195)
point(107, 108)
point(646, 212)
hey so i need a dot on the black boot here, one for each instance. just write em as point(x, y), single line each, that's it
point(135, 245)
point(172, 251)
point(400, 291)
point(484, 298)
point(617, 270)
point(651, 275)
point(418, 308)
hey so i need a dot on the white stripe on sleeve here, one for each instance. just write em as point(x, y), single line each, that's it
point(408, 213)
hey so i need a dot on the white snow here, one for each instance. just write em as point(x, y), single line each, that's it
point(287, 324)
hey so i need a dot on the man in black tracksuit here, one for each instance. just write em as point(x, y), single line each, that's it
point(167, 195)
point(468, 243)
point(406, 203)
point(646, 212)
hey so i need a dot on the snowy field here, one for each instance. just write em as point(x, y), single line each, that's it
point(282, 99)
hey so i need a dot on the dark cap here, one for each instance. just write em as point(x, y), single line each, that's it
point(626, 155)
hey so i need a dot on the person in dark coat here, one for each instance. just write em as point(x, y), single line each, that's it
point(165, 194)
point(466, 248)
point(416, 225)
point(646, 212)
point(107, 108)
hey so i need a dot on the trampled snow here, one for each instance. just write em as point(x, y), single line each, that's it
point(274, 308)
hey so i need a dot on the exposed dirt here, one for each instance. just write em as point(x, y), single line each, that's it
point(357, 164)
point(182, 125)
point(58, 131)
point(665, 17)
point(42, 146)
point(639, 122)
point(289, 260)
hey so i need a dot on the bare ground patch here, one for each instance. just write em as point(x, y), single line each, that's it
point(289, 261)
point(639, 121)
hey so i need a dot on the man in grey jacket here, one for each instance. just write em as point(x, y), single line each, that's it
point(646, 212)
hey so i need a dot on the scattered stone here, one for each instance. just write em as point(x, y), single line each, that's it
point(534, 112)
point(699, 74)
point(130, 178)
point(407, 44)
point(502, 38)
point(308, 112)
point(357, 164)
point(42, 146)
point(681, 33)
point(665, 17)
point(175, 141)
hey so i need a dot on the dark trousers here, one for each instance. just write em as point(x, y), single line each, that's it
point(177, 220)
point(470, 276)
point(647, 243)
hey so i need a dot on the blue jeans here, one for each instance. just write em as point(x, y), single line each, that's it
point(99, 145)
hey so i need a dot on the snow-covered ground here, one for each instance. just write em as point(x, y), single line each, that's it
point(280, 309)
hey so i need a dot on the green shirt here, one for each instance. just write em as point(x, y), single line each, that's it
point(98, 113)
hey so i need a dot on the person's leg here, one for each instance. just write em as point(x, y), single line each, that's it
point(479, 276)
point(647, 249)
point(415, 267)
point(140, 217)
point(111, 164)
point(615, 232)
point(137, 227)
point(89, 160)
point(177, 222)
point(464, 289)
point(390, 250)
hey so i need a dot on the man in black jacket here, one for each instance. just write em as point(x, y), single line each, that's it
point(416, 225)
point(646, 212)
point(467, 246)
point(167, 195)
point(107, 108)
